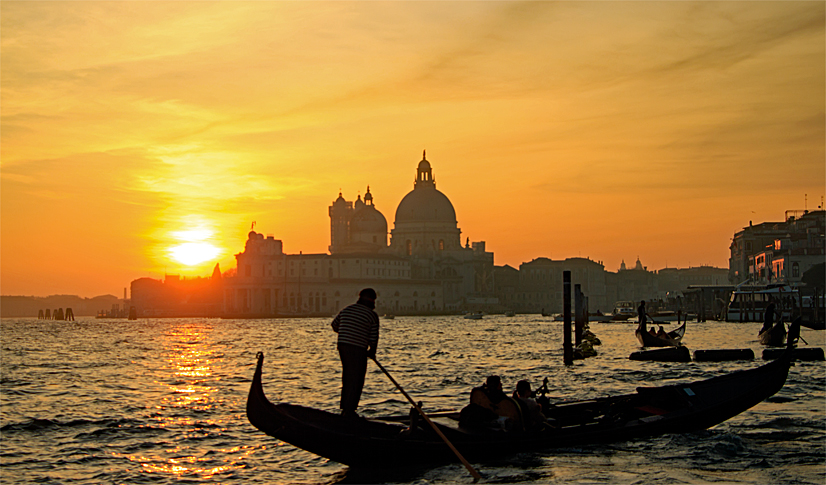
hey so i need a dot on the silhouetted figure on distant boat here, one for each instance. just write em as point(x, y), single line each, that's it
point(641, 313)
point(768, 316)
point(661, 333)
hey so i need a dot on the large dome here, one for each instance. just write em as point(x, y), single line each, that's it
point(425, 204)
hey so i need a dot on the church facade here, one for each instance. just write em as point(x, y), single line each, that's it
point(422, 269)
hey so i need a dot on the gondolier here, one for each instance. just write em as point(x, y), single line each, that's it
point(358, 336)
point(641, 314)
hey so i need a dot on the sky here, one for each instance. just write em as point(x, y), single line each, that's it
point(139, 139)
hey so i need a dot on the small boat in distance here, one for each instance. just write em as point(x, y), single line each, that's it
point(389, 316)
point(774, 336)
point(599, 317)
point(474, 316)
point(647, 340)
point(623, 310)
point(510, 313)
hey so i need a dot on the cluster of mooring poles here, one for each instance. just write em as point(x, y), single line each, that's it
point(58, 314)
point(583, 341)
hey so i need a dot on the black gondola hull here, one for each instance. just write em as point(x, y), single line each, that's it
point(648, 412)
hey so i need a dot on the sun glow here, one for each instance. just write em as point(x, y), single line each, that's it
point(192, 253)
point(195, 247)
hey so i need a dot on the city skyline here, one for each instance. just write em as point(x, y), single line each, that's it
point(138, 137)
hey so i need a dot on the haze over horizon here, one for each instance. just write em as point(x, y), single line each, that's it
point(143, 138)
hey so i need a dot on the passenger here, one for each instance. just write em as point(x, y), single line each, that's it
point(483, 404)
point(653, 331)
point(661, 333)
point(531, 410)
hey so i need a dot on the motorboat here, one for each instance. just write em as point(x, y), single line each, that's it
point(623, 310)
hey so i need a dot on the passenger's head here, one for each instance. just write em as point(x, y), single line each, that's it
point(368, 294)
point(493, 383)
point(523, 389)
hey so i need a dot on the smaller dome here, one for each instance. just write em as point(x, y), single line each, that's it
point(368, 220)
point(340, 201)
point(424, 165)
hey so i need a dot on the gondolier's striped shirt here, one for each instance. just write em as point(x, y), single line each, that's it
point(357, 325)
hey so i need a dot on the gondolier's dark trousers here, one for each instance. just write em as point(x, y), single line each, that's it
point(353, 369)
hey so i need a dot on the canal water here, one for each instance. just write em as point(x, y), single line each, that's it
point(99, 401)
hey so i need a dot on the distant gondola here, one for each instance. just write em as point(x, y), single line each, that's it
point(648, 340)
point(389, 442)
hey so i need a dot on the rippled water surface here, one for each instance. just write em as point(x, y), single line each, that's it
point(163, 401)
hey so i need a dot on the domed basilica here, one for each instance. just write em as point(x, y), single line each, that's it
point(423, 269)
point(425, 222)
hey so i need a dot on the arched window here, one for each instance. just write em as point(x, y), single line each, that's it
point(409, 248)
point(441, 244)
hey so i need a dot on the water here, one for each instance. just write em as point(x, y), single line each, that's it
point(163, 401)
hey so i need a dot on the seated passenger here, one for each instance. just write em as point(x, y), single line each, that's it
point(531, 410)
point(662, 333)
point(653, 331)
point(491, 408)
point(493, 389)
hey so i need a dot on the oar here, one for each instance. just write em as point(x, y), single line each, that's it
point(476, 475)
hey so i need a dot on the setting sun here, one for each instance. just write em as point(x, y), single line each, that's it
point(194, 253)
point(194, 247)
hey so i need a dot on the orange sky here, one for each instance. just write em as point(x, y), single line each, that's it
point(607, 130)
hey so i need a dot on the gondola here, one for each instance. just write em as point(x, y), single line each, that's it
point(774, 336)
point(391, 441)
point(648, 340)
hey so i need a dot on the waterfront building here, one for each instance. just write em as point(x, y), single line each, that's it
point(178, 297)
point(672, 281)
point(774, 252)
point(537, 285)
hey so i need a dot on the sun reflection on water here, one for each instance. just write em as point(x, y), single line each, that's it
point(189, 399)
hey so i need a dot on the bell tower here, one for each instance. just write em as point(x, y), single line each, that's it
point(424, 174)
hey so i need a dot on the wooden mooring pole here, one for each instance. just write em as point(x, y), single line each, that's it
point(579, 321)
point(567, 348)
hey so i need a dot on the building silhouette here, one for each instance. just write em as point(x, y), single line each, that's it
point(423, 269)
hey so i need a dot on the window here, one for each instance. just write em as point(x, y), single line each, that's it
point(795, 270)
point(441, 244)
point(409, 248)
